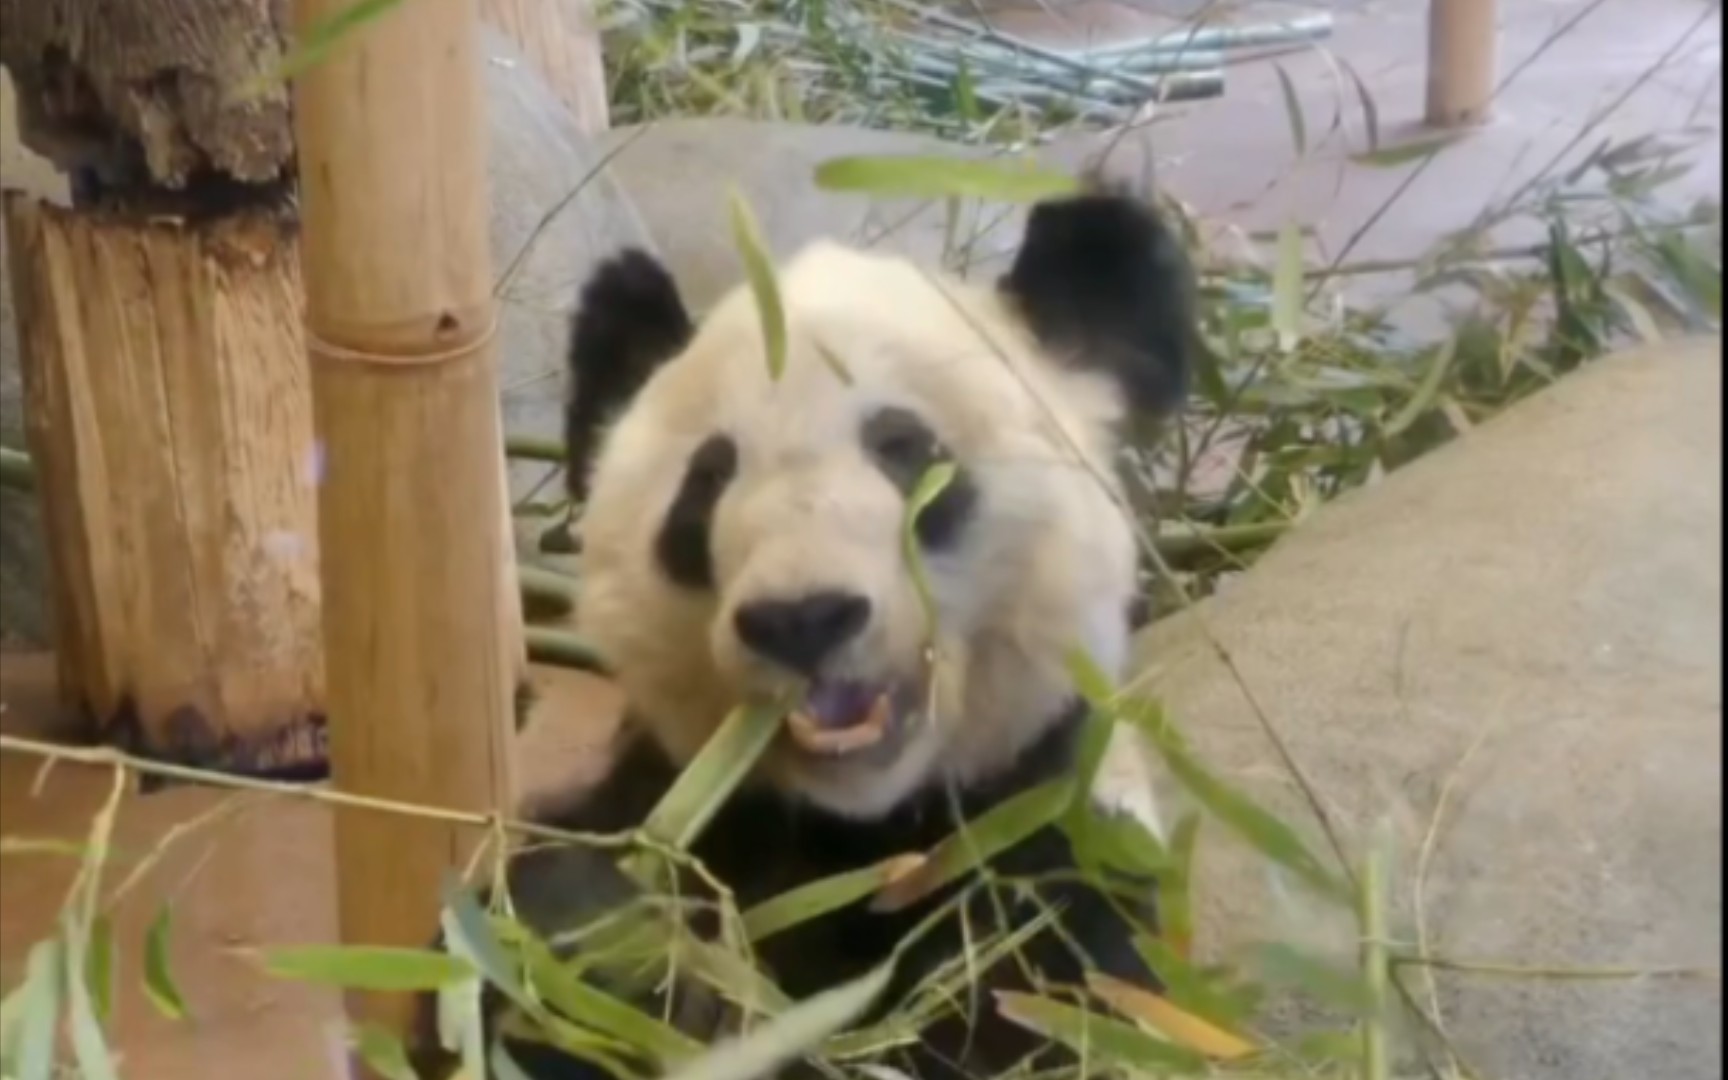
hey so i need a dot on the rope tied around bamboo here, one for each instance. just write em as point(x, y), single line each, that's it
point(478, 343)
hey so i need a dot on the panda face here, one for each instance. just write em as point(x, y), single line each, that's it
point(746, 539)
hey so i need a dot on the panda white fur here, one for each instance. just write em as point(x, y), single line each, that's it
point(742, 538)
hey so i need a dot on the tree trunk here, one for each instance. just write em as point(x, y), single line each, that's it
point(169, 414)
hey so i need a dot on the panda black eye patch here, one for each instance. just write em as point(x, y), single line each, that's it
point(903, 447)
point(682, 547)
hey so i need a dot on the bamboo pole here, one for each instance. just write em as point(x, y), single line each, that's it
point(1463, 47)
point(421, 620)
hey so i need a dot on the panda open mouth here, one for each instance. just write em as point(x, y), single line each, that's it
point(842, 716)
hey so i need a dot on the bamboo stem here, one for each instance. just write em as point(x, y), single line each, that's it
point(421, 619)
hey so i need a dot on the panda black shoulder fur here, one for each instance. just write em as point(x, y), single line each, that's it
point(742, 538)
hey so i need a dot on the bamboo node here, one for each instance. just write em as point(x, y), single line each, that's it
point(327, 350)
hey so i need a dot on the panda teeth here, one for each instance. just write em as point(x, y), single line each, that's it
point(809, 733)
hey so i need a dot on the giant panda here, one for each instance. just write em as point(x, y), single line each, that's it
point(743, 540)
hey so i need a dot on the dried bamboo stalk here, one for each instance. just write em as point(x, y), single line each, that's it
point(422, 625)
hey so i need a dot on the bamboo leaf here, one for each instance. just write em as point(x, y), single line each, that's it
point(89, 1045)
point(1390, 157)
point(469, 937)
point(921, 177)
point(564, 990)
point(759, 269)
point(1090, 1034)
point(99, 967)
point(1287, 287)
point(931, 485)
point(382, 1052)
point(1370, 110)
point(1175, 900)
point(788, 1035)
point(1293, 111)
point(975, 843)
point(1426, 391)
point(709, 780)
point(33, 1015)
point(159, 984)
point(1178, 1025)
point(1270, 836)
point(818, 898)
point(367, 967)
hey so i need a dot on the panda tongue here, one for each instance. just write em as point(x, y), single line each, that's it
point(838, 717)
point(838, 705)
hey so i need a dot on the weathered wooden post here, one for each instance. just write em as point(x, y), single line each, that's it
point(167, 409)
point(1463, 57)
point(419, 601)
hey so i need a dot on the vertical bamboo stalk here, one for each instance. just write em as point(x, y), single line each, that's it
point(421, 620)
point(1463, 55)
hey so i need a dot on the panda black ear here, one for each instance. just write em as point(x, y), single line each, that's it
point(1104, 283)
point(629, 320)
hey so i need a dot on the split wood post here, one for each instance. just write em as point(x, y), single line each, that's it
point(169, 417)
point(1463, 58)
point(167, 400)
point(421, 617)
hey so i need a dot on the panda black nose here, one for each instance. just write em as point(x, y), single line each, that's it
point(801, 633)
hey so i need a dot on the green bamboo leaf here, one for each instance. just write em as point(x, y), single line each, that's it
point(89, 1045)
point(1270, 836)
point(32, 1015)
point(928, 177)
point(99, 967)
point(795, 906)
point(1326, 982)
point(1120, 841)
point(976, 842)
point(709, 780)
point(382, 1052)
point(931, 485)
point(1293, 111)
point(759, 269)
point(318, 42)
point(1426, 391)
point(1287, 287)
point(469, 938)
point(159, 985)
point(1370, 110)
point(1390, 157)
point(787, 1036)
point(966, 92)
point(1175, 895)
point(559, 986)
point(366, 967)
point(1093, 1035)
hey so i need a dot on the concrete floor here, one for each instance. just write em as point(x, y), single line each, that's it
point(1235, 161)
point(269, 878)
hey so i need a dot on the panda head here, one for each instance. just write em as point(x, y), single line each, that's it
point(744, 535)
